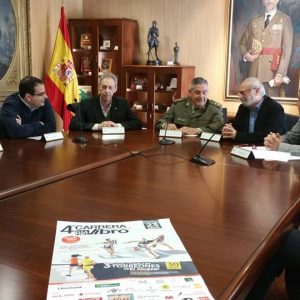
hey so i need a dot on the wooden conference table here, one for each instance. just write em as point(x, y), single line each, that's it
point(33, 163)
point(229, 215)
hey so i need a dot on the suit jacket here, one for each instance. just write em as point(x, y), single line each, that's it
point(290, 142)
point(278, 34)
point(91, 113)
point(270, 118)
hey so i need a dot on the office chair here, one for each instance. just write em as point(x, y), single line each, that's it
point(290, 120)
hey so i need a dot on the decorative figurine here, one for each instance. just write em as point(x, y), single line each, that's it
point(176, 50)
point(153, 42)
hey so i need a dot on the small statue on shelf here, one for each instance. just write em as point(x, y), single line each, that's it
point(176, 51)
point(153, 42)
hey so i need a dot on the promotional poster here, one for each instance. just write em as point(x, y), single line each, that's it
point(122, 261)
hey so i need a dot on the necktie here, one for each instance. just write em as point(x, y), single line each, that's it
point(267, 21)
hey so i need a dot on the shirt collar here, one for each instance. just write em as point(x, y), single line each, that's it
point(190, 103)
point(271, 13)
point(105, 112)
point(258, 105)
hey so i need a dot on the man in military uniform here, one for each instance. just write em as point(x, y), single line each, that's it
point(194, 114)
point(267, 45)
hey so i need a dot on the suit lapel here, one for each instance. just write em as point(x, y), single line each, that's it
point(113, 108)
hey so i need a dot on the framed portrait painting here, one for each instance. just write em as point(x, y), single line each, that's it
point(14, 45)
point(106, 65)
point(264, 48)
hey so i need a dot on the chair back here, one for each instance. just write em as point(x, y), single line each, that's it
point(290, 120)
point(224, 109)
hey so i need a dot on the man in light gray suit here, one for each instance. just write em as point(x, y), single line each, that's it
point(289, 142)
point(266, 46)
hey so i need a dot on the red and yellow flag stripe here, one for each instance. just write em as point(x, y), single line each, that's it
point(61, 81)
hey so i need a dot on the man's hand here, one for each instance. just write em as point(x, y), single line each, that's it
point(189, 130)
point(228, 132)
point(107, 124)
point(278, 79)
point(18, 120)
point(171, 126)
point(272, 141)
point(250, 57)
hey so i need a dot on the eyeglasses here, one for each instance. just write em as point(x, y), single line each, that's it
point(40, 94)
point(242, 93)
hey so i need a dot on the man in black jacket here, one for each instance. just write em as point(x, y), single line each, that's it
point(257, 116)
point(28, 112)
point(105, 110)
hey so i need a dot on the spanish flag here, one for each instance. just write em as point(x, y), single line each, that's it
point(61, 81)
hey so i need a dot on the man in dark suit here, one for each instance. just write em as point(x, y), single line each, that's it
point(105, 110)
point(257, 116)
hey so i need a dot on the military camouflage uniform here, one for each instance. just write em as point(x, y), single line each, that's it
point(182, 113)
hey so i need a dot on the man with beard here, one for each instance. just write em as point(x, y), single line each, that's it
point(257, 115)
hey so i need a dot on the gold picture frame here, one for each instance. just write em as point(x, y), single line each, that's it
point(240, 13)
point(106, 65)
point(20, 65)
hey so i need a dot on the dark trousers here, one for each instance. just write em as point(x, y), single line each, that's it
point(286, 257)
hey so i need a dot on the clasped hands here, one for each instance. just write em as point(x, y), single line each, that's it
point(185, 130)
point(272, 141)
point(228, 132)
point(107, 124)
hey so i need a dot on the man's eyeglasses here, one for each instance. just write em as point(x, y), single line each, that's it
point(40, 94)
point(242, 93)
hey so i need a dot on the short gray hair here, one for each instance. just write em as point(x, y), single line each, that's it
point(197, 80)
point(109, 75)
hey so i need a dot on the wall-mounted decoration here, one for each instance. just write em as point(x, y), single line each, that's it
point(106, 64)
point(15, 51)
point(274, 47)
